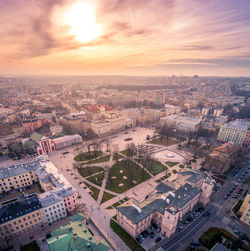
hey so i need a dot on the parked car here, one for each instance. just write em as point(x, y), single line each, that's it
point(152, 234)
point(138, 239)
point(158, 240)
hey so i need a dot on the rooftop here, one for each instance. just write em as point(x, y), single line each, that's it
point(75, 236)
point(23, 206)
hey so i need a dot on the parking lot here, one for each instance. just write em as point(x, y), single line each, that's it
point(150, 236)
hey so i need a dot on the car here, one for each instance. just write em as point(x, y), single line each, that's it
point(144, 234)
point(140, 236)
point(236, 231)
point(180, 227)
point(158, 230)
point(158, 240)
point(154, 225)
point(225, 197)
point(138, 240)
point(152, 234)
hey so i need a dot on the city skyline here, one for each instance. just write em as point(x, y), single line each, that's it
point(125, 38)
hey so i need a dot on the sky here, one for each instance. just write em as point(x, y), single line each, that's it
point(125, 37)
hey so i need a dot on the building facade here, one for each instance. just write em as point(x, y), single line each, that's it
point(245, 210)
point(167, 206)
point(236, 131)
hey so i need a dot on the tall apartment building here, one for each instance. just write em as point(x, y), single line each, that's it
point(160, 98)
point(167, 206)
point(237, 132)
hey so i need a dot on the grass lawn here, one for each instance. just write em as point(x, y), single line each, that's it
point(32, 246)
point(174, 171)
point(84, 156)
point(110, 207)
point(117, 156)
point(116, 204)
point(247, 180)
point(100, 160)
point(89, 170)
point(96, 179)
point(129, 241)
point(94, 190)
point(236, 208)
point(131, 171)
point(164, 141)
point(156, 167)
point(106, 196)
point(171, 164)
point(125, 152)
point(153, 166)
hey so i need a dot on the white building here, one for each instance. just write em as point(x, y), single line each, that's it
point(235, 131)
point(181, 122)
point(172, 109)
point(113, 125)
point(53, 206)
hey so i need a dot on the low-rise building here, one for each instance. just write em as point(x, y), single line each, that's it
point(53, 206)
point(20, 218)
point(167, 206)
point(75, 236)
point(222, 157)
point(236, 131)
point(182, 122)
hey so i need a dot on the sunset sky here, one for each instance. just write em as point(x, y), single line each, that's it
point(130, 37)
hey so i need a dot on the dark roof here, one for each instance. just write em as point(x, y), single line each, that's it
point(195, 176)
point(132, 213)
point(163, 188)
point(183, 195)
point(16, 209)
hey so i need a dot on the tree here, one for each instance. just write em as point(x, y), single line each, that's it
point(167, 131)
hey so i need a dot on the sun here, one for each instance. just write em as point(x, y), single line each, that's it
point(81, 19)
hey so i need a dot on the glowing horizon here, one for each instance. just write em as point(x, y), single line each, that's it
point(143, 37)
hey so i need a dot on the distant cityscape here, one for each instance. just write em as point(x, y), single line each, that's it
point(124, 163)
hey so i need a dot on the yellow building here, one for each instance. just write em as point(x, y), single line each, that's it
point(16, 177)
point(245, 210)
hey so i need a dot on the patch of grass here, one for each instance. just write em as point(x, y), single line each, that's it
point(153, 166)
point(126, 199)
point(214, 235)
point(236, 208)
point(32, 246)
point(114, 217)
point(106, 196)
point(117, 156)
point(110, 207)
point(156, 167)
point(116, 204)
point(84, 156)
point(173, 180)
point(163, 141)
point(247, 180)
point(131, 170)
point(96, 179)
point(174, 171)
point(126, 152)
point(129, 241)
point(94, 190)
point(190, 167)
point(181, 166)
point(100, 160)
point(171, 164)
point(89, 170)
